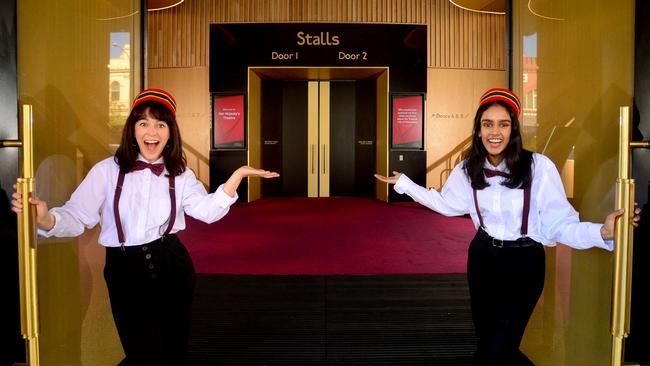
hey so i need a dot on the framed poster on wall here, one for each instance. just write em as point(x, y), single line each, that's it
point(228, 121)
point(407, 121)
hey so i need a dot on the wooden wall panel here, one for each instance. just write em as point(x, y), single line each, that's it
point(466, 55)
point(452, 97)
point(178, 37)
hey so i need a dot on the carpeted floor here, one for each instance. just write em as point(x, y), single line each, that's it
point(335, 235)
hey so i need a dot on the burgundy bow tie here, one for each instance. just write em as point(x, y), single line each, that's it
point(156, 169)
point(489, 173)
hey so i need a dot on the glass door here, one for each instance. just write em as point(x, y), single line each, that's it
point(79, 66)
point(573, 67)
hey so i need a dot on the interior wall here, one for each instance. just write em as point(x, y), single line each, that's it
point(452, 96)
point(189, 87)
point(461, 43)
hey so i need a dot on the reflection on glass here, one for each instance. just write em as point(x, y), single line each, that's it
point(529, 95)
point(119, 77)
point(574, 62)
point(78, 71)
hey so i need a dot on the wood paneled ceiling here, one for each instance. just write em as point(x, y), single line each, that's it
point(498, 6)
point(153, 5)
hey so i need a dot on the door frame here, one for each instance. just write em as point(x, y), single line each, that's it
point(254, 143)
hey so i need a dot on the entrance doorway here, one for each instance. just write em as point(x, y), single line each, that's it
point(320, 134)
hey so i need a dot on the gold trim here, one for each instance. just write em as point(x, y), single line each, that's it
point(324, 138)
point(312, 136)
point(530, 8)
point(383, 136)
point(254, 133)
point(476, 10)
point(325, 74)
point(166, 7)
point(28, 275)
point(11, 143)
point(624, 240)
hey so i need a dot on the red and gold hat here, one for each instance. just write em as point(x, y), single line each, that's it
point(507, 96)
point(156, 95)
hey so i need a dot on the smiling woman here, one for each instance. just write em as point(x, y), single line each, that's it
point(506, 260)
point(140, 197)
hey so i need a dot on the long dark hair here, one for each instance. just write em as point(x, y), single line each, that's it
point(127, 152)
point(518, 160)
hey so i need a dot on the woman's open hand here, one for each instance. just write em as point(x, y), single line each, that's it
point(230, 187)
point(247, 171)
point(390, 180)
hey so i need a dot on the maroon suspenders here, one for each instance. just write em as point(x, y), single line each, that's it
point(524, 215)
point(116, 210)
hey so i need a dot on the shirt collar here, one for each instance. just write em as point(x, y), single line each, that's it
point(502, 167)
point(160, 160)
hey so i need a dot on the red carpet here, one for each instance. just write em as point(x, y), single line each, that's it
point(336, 235)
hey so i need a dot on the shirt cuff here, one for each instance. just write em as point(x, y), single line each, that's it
point(403, 184)
point(604, 244)
point(223, 199)
point(54, 230)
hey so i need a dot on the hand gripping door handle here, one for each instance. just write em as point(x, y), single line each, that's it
point(623, 237)
point(27, 268)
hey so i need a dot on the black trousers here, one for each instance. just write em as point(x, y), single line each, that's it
point(151, 287)
point(504, 285)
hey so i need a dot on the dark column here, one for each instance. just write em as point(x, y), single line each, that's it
point(12, 347)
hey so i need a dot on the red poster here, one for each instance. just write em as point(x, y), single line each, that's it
point(229, 121)
point(407, 121)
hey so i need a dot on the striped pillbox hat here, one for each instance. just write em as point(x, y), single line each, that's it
point(504, 95)
point(156, 95)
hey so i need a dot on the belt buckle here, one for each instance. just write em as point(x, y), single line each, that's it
point(495, 241)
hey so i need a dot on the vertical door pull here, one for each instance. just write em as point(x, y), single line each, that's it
point(324, 158)
point(623, 237)
point(313, 155)
point(27, 269)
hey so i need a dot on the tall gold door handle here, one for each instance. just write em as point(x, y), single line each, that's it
point(324, 159)
point(624, 239)
point(27, 270)
point(313, 156)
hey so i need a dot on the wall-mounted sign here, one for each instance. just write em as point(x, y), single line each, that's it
point(400, 47)
point(407, 121)
point(228, 121)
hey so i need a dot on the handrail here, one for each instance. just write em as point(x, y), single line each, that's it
point(199, 158)
point(447, 159)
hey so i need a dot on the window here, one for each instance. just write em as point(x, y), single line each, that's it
point(115, 91)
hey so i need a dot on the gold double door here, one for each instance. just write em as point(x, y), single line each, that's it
point(320, 134)
point(318, 139)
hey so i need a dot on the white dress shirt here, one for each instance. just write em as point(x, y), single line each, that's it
point(551, 218)
point(144, 205)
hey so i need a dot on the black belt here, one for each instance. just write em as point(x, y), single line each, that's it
point(142, 247)
point(523, 242)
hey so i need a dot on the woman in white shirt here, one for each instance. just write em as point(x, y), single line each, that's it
point(517, 202)
point(140, 197)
